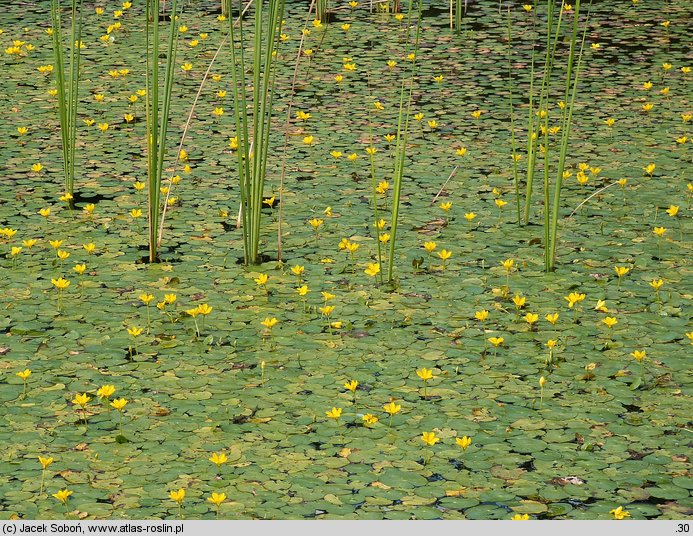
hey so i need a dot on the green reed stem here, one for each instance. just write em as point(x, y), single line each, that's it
point(68, 91)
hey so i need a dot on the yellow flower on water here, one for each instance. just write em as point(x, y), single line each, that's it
point(135, 331)
point(551, 344)
point(15, 251)
point(500, 203)
point(60, 283)
point(659, 231)
point(392, 408)
point(619, 513)
point(146, 298)
point(621, 270)
point(351, 385)
point(369, 419)
point(81, 400)
point(601, 306)
point(262, 279)
point(326, 310)
point(63, 495)
point(186, 67)
point(334, 413)
point(177, 496)
point(496, 341)
point(508, 264)
point(552, 318)
point(429, 246)
point(520, 517)
point(302, 290)
point(216, 498)
point(531, 318)
point(649, 169)
point(425, 374)
point(204, 309)
point(218, 459)
point(610, 321)
point(673, 210)
point(463, 442)
point(269, 323)
point(574, 298)
point(373, 269)
point(45, 462)
point(519, 301)
point(542, 382)
point(481, 315)
point(38, 167)
point(527, 7)
point(119, 403)
point(327, 296)
point(429, 438)
point(446, 206)
point(24, 374)
point(639, 355)
point(62, 255)
point(315, 223)
point(476, 114)
point(656, 283)
point(444, 254)
point(105, 391)
point(136, 213)
point(469, 216)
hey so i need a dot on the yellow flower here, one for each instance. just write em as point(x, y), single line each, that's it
point(146, 298)
point(542, 382)
point(639, 355)
point(574, 298)
point(469, 216)
point(262, 279)
point(461, 151)
point(444, 254)
point(369, 419)
point(476, 114)
point(45, 462)
point(496, 341)
point(673, 210)
point(218, 459)
point(186, 67)
point(177, 496)
point(527, 7)
point(216, 498)
point(619, 513)
point(29, 243)
point(37, 167)
point(601, 306)
point(429, 438)
point(419, 116)
point(60, 283)
point(103, 127)
point(621, 270)
point(481, 315)
point(15, 251)
point(218, 111)
point(119, 403)
point(373, 269)
point(170, 299)
point(649, 169)
point(551, 344)
point(429, 246)
point(135, 331)
point(63, 255)
point(204, 309)
point(315, 223)
point(656, 283)
point(392, 408)
point(89, 248)
point(520, 517)
point(24, 374)
point(308, 140)
point(269, 323)
point(302, 290)
point(334, 413)
point(135, 213)
point(105, 391)
point(531, 318)
point(425, 374)
point(327, 296)
point(659, 231)
point(610, 321)
point(351, 385)
point(519, 301)
point(81, 400)
point(326, 310)
point(508, 264)
point(463, 442)
point(63, 495)
point(345, 27)
point(446, 206)
point(432, 123)
point(500, 203)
